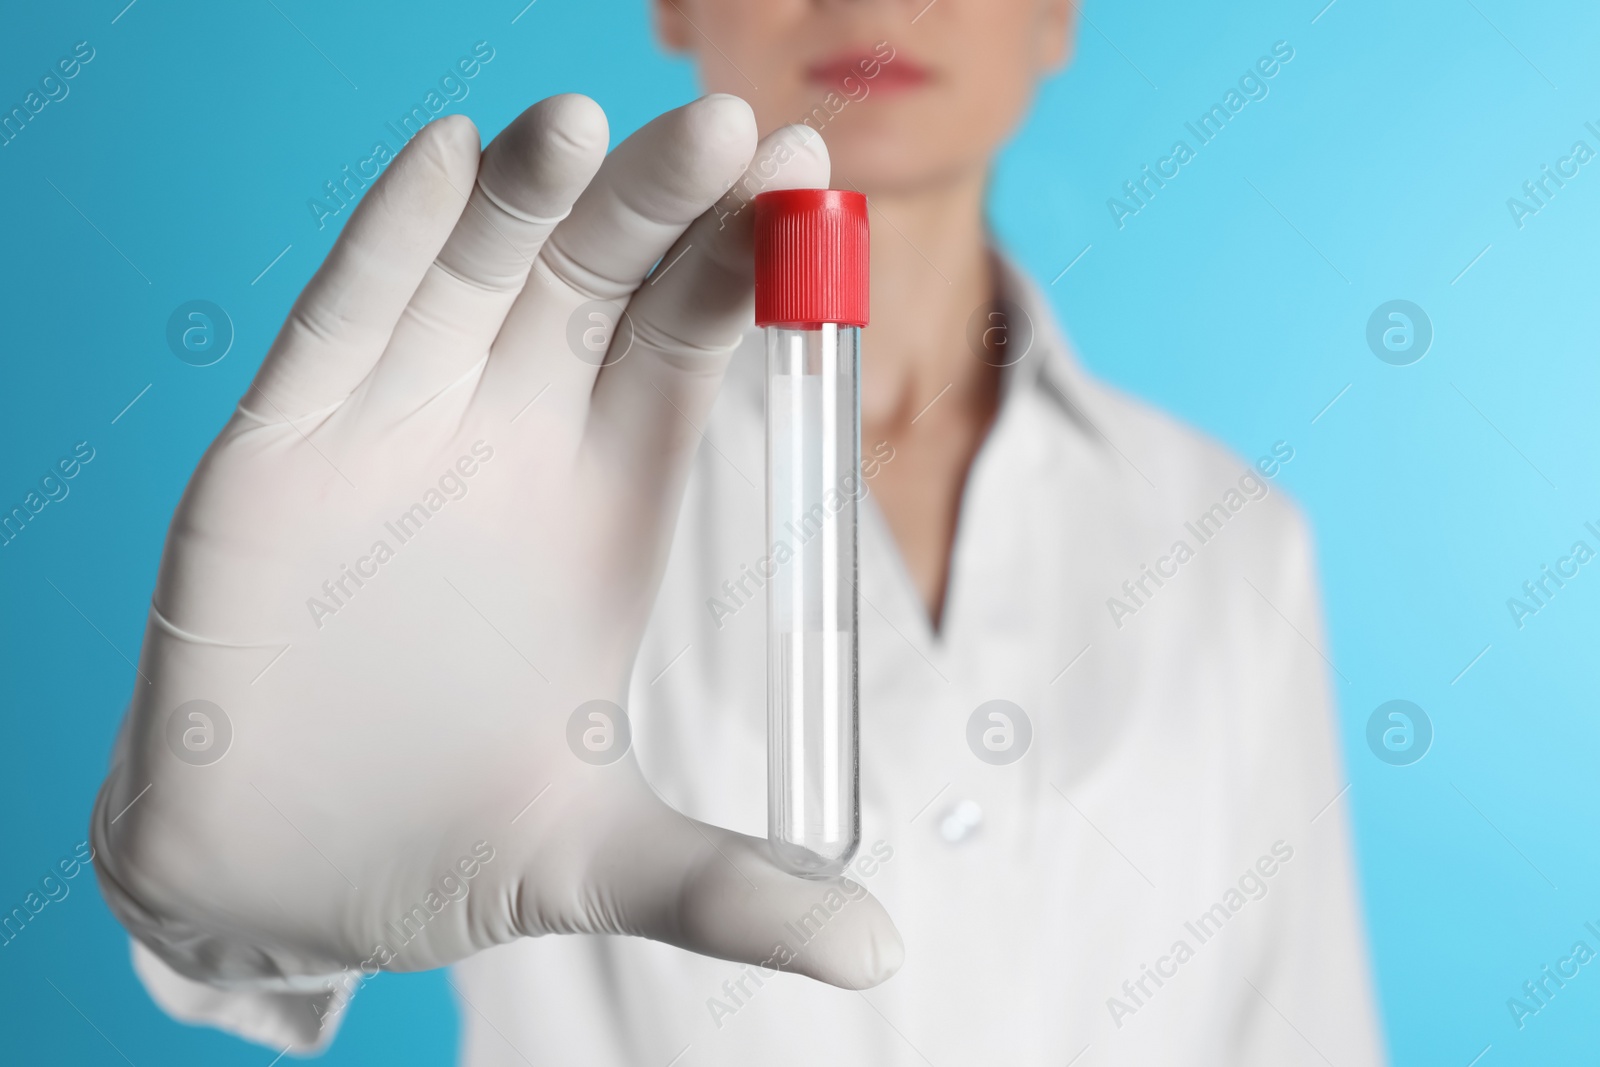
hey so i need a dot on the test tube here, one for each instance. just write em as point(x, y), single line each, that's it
point(811, 254)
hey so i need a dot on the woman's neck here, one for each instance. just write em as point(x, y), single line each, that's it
point(924, 391)
point(930, 273)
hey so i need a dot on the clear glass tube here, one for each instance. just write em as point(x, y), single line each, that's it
point(813, 484)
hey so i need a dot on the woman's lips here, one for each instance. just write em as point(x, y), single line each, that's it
point(850, 71)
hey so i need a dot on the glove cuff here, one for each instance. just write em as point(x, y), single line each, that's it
point(281, 1019)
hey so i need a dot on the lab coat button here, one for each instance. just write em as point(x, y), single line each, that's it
point(960, 822)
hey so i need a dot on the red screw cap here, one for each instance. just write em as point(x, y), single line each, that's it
point(811, 257)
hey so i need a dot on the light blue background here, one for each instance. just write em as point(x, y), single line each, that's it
point(1381, 164)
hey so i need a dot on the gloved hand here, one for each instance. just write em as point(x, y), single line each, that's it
point(428, 535)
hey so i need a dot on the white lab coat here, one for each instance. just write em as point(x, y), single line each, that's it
point(1164, 876)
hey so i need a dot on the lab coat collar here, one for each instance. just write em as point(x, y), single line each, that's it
point(1046, 365)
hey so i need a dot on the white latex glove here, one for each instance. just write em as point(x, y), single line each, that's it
point(386, 745)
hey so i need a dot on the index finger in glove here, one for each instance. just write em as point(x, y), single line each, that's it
point(648, 411)
point(646, 192)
